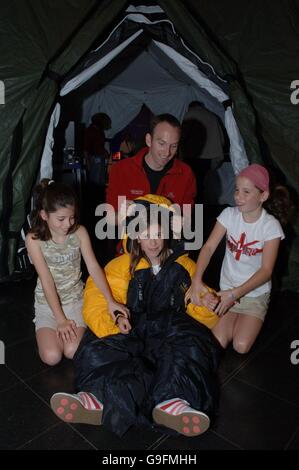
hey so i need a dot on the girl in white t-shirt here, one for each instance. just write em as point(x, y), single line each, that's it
point(252, 241)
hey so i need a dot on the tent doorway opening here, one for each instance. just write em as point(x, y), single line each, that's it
point(145, 63)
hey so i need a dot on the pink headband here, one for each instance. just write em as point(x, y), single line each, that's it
point(258, 175)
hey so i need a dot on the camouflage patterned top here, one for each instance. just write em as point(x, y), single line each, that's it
point(64, 262)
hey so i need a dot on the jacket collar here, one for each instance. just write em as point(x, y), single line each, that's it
point(174, 170)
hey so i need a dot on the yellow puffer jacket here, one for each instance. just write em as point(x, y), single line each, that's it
point(95, 311)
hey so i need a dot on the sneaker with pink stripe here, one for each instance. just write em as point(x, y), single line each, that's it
point(178, 415)
point(82, 407)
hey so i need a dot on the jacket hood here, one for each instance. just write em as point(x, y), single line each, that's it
point(146, 201)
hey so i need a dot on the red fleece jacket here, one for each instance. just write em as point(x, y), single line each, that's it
point(128, 178)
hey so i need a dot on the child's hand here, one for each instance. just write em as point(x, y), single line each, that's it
point(66, 330)
point(115, 306)
point(195, 294)
point(226, 302)
point(210, 300)
point(124, 325)
point(126, 209)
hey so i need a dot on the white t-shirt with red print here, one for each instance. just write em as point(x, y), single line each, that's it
point(244, 247)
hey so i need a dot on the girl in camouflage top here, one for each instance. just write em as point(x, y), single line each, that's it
point(55, 243)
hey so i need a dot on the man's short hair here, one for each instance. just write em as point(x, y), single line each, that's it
point(169, 118)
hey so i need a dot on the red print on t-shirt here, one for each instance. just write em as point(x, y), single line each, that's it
point(239, 247)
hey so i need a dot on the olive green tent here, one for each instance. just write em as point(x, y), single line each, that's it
point(42, 42)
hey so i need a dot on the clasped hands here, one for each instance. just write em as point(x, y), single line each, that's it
point(219, 302)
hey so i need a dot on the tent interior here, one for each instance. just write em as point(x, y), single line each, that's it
point(142, 74)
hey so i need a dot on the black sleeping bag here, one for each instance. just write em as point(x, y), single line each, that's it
point(166, 355)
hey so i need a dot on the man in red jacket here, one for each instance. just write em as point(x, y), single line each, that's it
point(154, 169)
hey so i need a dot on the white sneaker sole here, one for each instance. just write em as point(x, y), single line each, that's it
point(189, 423)
point(70, 409)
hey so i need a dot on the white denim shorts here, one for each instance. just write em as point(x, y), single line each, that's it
point(253, 306)
point(44, 317)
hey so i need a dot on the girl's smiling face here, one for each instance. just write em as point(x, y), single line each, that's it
point(60, 221)
point(152, 243)
point(248, 197)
